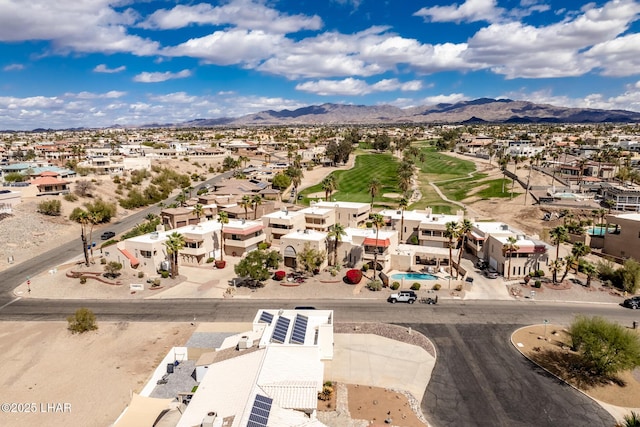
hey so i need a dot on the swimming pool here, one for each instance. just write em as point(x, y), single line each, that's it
point(413, 276)
point(596, 231)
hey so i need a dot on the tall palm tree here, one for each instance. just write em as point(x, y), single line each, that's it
point(243, 160)
point(81, 216)
point(558, 235)
point(464, 229)
point(335, 233)
point(255, 202)
point(510, 247)
point(198, 210)
point(374, 188)
point(245, 202)
point(403, 203)
point(329, 186)
point(296, 179)
point(378, 222)
point(223, 218)
point(174, 244)
point(451, 232)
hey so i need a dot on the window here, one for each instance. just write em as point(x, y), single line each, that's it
point(145, 254)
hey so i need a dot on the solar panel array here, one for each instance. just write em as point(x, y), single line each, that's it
point(299, 329)
point(260, 411)
point(266, 317)
point(280, 331)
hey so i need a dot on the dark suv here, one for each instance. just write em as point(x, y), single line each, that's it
point(403, 296)
point(107, 235)
point(633, 303)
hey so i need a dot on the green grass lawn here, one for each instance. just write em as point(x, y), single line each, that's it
point(438, 166)
point(495, 189)
point(353, 184)
point(459, 189)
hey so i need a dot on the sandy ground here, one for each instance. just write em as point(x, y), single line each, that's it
point(93, 373)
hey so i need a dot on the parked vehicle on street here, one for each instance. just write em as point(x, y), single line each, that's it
point(491, 274)
point(107, 235)
point(403, 296)
point(633, 303)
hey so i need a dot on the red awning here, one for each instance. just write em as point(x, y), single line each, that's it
point(133, 260)
point(373, 242)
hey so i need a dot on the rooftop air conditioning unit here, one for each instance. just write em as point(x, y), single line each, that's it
point(208, 420)
point(154, 235)
point(245, 343)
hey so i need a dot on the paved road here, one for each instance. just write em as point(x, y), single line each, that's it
point(481, 380)
point(12, 277)
point(243, 310)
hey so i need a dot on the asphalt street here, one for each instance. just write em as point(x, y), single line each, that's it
point(481, 380)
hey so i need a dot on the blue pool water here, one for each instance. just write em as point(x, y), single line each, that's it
point(597, 231)
point(413, 276)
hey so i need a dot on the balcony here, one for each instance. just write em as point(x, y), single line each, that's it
point(246, 243)
point(194, 251)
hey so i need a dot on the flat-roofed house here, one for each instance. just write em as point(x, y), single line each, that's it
point(624, 240)
point(242, 236)
point(319, 218)
point(294, 243)
point(280, 223)
point(349, 214)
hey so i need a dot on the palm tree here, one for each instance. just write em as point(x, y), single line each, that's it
point(245, 203)
point(374, 189)
point(329, 186)
point(555, 267)
point(223, 218)
point(198, 210)
point(464, 229)
point(81, 216)
point(335, 234)
point(569, 261)
point(451, 232)
point(378, 221)
point(558, 235)
point(255, 202)
point(590, 270)
point(402, 204)
point(174, 244)
point(243, 160)
point(579, 250)
point(296, 179)
point(510, 247)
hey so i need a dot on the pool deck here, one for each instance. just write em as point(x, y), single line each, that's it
point(427, 283)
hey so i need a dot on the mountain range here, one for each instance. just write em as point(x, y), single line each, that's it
point(483, 110)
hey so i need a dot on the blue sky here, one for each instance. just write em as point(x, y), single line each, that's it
point(97, 63)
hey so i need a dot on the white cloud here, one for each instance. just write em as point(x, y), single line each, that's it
point(39, 102)
point(156, 77)
point(13, 67)
point(469, 11)
point(113, 94)
point(628, 100)
point(555, 50)
point(356, 87)
point(231, 47)
point(445, 99)
point(102, 68)
point(245, 14)
point(176, 97)
point(618, 57)
point(84, 26)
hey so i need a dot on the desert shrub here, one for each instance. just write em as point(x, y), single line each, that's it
point(326, 393)
point(83, 280)
point(354, 276)
point(49, 207)
point(459, 288)
point(413, 240)
point(263, 246)
point(415, 286)
point(374, 285)
point(82, 321)
point(156, 282)
point(537, 284)
point(112, 269)
point(84, 188)
point(70, 197)
point(116, 180)
point(140, 274)
point(395, 286)
point(539, 273)
point(437, 287)
point(210, 260)
point(164, 274)
point(365, 267)
point(334, 271)
point(279, 275)
point(103, 261)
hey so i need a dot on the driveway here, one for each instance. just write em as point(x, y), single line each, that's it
point(481, 380)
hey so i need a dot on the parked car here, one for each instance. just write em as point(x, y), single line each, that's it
point(108, 235)
point(633, 303)
point(491, 274)
point(481, 264)
point(403, 296)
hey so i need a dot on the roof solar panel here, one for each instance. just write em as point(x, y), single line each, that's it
point(299, 329)
point(260, 411)
point(280, 330)
point(266, 317)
